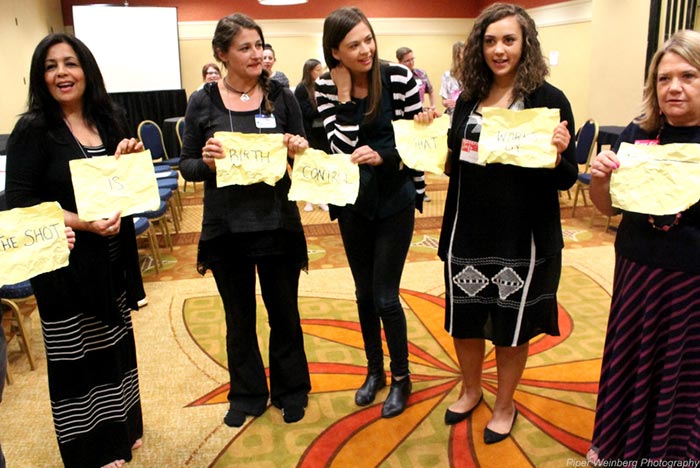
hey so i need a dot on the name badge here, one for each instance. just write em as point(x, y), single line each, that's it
point(646, 142)
point(469, 152)
point(265, 121)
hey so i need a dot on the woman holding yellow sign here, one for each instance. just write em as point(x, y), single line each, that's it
point(501, 236)
point(85, 308)
point(358, 100)
point(649, 393)
point(251, 227)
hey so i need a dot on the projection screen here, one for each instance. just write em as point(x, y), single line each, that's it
point(136, 48)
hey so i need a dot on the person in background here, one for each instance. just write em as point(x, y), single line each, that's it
point(305, 93)
point(501, 237)
point(649, 392)
point(210, 72)
point(450, 86)
point(269, 60)
point(358, 99)
point(405, 57)
point(85, 308)
point(249, 228)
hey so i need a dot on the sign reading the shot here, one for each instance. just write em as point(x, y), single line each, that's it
point(318, 177)
point(250, 158)
point(657, 180)
point(518, 137)
point(423, 147)
point(106, 184)
point(32, 241)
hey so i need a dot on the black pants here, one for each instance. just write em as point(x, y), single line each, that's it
point(376, 251)
point(289, 372)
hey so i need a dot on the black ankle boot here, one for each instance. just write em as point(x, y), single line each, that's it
point(374, 382)
point(398, 396)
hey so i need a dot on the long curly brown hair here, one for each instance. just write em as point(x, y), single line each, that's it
point(475, 75)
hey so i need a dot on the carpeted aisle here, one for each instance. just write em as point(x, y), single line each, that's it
point(180, 341)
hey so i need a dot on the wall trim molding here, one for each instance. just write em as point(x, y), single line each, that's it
point(558, 14)
point(204, 30)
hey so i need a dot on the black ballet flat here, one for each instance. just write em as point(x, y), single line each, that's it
point(493, 437)
point(453, 417)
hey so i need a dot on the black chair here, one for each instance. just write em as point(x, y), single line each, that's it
point(585, 150)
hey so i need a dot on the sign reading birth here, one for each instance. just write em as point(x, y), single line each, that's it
point(318, 177)
point(104, 185)
point(518, 137)
point(250, 158)
point(423, 147)
point(32, 241)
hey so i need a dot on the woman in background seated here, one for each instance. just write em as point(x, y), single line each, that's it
point(648, 405)
point(305, 93)
point(85, 308)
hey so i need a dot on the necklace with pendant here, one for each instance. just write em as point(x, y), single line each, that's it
point(244, 94)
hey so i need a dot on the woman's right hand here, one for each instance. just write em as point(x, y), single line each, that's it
point(603, 164)
point(211, 151)
point(343, 81)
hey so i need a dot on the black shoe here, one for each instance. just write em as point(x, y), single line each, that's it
point(398, 396)
point(453, 417)
point(374, 382)
point(492, 437)
point(234, 418)
point(293, 413)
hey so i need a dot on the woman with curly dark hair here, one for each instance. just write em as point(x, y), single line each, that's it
point(501, 236)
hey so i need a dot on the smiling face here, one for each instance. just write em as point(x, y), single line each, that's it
point(64, 75)
point(212, 74)
point(268, 59)
point(503, 47)
point(356, 50)
point(244, 56)
point(678, 90)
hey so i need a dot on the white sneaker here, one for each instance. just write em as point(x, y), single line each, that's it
point(426, 198)
point(308, 207)
point(323, 206)
point(142, 303)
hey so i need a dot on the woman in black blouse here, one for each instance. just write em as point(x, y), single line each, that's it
point(251, 227)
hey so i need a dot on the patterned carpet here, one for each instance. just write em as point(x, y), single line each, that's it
point(183, 376)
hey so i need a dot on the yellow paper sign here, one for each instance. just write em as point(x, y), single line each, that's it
point(520, 138)
point(107, 184)
point(251, 158)
point(32, 241)
point(318, 177)
point(423, 147)
point(657, 180)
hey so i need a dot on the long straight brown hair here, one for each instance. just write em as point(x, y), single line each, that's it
point(336, 26)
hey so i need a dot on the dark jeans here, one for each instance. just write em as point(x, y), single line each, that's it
point(376, 251)
point(289, 372)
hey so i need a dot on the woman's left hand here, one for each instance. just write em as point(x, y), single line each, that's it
point(295, 144)
point(561, 139)
point(426, 117)
point(128, 145)
point(366, 155)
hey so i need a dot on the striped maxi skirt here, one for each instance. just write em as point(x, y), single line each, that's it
point(649, 395)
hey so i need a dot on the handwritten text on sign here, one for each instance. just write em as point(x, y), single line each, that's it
point(318, 177)
point(251, 158)
point(423, 147)
point(518, 137)
point(106, 184)
point(32, 241)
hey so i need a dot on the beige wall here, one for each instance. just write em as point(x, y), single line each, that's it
point(618, 48)
point(601, 79)
point(22, 25)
